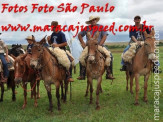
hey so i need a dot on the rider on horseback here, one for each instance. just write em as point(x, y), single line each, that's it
point(4, 59)
point(136, 37)
point(101, 39)
point(58, 39)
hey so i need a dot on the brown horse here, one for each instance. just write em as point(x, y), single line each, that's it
point(95, 67)
point(141, 65)
point(23, 73)
point(50, 70)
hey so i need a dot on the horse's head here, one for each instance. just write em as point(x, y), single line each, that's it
point(92, 44)
point(20, 68)
point(149, 45)
point(16, 50)
point(37, 52)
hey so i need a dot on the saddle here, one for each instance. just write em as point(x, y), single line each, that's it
point(103, 50)
point(131, 52)
point(10, 64)
point(62, 57)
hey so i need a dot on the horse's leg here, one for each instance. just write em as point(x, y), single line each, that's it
point(31, 91)
point(127, 78)
point(91, 89)
point(101, 89)
point(97, 93)
point(35, 94)
point(66, 89)
point(2, 92)
point(131, 83)
point(58, 96)
point(38, 89)
point(145, 87)
point(86, 93)
point(25, 95)
point(48, 88)
point(137, 89)
point(13, 92)
point(62, 92)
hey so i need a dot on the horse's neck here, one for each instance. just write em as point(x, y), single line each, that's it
point(142, 57)
point(47, 59)
point(97, 56)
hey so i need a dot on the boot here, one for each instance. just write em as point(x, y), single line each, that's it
point(82, 72)
point(109, 73)
point(124, 67)
point(69, 73)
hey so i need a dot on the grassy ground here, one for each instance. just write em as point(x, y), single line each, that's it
point(116, 103)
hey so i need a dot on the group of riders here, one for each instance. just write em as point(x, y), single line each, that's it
point(58, 39)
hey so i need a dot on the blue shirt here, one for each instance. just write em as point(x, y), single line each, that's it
point(101, 33)
point(137, 33)
point(58, 38)
point(29, 48)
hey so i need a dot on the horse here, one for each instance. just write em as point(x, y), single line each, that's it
point(15, 51)
point(95, 67)
point(141, 65)
point(50, 71)
point(24, 73)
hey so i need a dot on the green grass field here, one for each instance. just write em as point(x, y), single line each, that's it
point(116, 103)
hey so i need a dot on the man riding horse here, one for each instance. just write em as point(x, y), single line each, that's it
point(136, 36)
point(58, 39)
point(4, 59)
point(101, 39)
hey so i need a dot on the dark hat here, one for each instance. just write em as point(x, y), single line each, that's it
point(137, 16)
point(53, 23)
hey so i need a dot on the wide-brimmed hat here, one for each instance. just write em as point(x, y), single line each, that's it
point(53, 23)
point(32, 38)
point(92, 18)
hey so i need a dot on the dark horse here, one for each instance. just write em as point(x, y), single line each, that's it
point(50, 71)
point(95, 67)
point(16, 50)
point(24, 73)
point(13, 52)
point(142, 65)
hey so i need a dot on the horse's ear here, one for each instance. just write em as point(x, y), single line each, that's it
point(89, 35)
point(152, 33)
point(33, 38)
point(43, 40)
point(96, 35)
point(145, 34)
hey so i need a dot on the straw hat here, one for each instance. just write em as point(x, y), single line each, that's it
point(32, 38)
point(92, 18)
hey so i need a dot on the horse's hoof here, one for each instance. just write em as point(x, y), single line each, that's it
point(50, 110)
point(101, 91)
point(23, 107)
point(145, 100)
point(35, 104)
point(98, 108)
point(38, 96)
point(59, 109)
point(1, 100)
point(85, 95)
point(90, 102)
point(136, 103)
point(126, 88)
point(14, 99)
point(131, 92)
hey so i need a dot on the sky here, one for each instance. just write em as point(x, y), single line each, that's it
point(123, 14)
